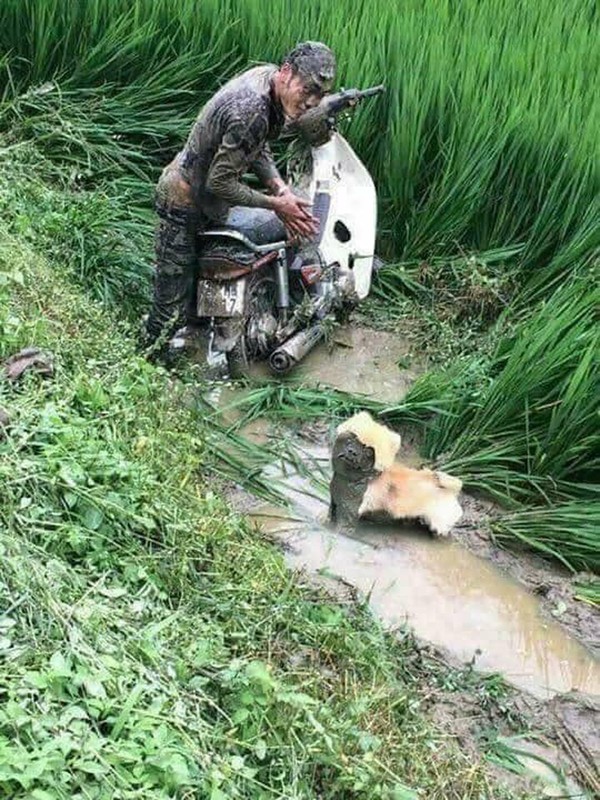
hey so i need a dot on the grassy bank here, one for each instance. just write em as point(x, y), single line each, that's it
point(151, 643)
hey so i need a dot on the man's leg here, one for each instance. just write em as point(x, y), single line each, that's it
point(175, 249)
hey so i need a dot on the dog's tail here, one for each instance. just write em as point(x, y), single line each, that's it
point(446, 481)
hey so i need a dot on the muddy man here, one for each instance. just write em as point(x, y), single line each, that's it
point(229, 138)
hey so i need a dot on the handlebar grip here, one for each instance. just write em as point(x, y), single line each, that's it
point(342, 100)
point(373, 90)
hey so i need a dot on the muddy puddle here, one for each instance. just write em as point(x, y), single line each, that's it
point(363, 361)
point(447, 594)
point(450, 596)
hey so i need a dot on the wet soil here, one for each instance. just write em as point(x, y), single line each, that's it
point(553, 586)
point(549, 733)
point(364, 361)
point(551, 740)
point(556, 752)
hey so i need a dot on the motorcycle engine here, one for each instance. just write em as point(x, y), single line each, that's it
point(260, 332)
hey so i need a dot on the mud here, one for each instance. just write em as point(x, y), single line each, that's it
point(383, 365)
point(555, 753)
point(363, 361)
point(498, 610)
point(473, 613)
point(553, 585)
point(30, 359)
point(448, 595)
point(551, 739)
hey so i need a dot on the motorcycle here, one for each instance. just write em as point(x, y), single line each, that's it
point(268, 298)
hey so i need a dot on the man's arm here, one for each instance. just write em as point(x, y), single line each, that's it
point(266, 171)
point(231, 161)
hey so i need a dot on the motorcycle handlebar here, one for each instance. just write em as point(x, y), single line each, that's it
point(334, 103)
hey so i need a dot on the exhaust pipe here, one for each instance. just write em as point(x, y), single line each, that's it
point(291, 352)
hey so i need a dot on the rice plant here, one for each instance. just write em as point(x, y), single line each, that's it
point(588, 591)
point(568, 532)
point(487, 137)
point(525, 424)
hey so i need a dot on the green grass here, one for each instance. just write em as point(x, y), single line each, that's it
point(588, 591)
point(487, 137)
point(151, 642)
point(523, 424)
point(99, 235)
point(566, 531)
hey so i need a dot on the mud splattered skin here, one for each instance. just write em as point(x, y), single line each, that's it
point(353, 469)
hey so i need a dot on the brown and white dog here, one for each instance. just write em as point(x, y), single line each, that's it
point(368, 481)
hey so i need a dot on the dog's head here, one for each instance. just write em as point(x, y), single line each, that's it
point(351, 458)
point(384, 442)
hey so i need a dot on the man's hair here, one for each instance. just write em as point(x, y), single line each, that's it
point(312, 59)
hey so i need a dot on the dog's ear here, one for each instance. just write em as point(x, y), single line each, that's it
point(367, 457)
point(356, 424)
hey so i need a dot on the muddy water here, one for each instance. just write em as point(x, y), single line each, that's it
point(448, 595)
point(364, 361)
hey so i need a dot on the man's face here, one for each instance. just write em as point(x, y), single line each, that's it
point(298, 93)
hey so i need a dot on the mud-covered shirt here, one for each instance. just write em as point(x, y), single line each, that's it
point(230, 137)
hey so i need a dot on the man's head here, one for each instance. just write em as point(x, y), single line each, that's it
point(305, 75)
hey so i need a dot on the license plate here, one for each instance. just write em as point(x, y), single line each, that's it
point(221, 298)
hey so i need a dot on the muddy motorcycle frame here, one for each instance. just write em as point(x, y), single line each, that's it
point(271, 299)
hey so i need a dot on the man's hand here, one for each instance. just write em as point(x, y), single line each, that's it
point(295, 214)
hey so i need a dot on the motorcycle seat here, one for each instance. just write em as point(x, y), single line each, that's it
point(260, 225)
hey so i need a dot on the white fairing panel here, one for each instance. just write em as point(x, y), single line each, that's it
point(339, 172)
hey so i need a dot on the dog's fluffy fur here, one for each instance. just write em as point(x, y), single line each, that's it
point(402, 492)
point(368, 481)
point(385, 443)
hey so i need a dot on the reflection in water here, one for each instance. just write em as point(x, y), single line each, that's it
point(448, 595)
